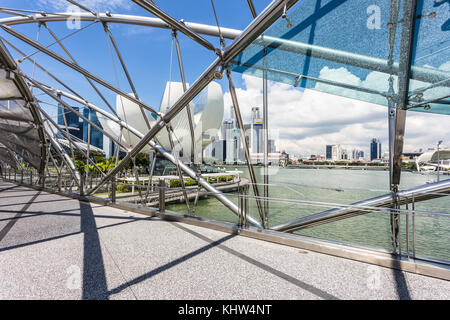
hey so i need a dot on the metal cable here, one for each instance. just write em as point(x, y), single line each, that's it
point(63, 38)
point(222, 41)
point(118, 86)
point(170, 74)
point(43, 13)
point(34, 60)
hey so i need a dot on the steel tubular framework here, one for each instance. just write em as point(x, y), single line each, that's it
point(398, 103)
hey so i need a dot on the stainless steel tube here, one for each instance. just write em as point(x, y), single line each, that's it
point(420, 193)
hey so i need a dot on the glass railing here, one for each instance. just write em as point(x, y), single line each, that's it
point(422, 229)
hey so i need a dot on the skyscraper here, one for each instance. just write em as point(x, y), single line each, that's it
point(228, 148)
point(375, 149)
point(357, 154)
point(256, 132)
point(336, 153)
point(96, 136)
point(227, 127)
point(329, 152)
point(73, 121)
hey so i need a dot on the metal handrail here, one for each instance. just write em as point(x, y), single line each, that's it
point(307, 202)
point(389, 210)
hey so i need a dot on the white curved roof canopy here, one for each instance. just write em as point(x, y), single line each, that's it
point(432, 156)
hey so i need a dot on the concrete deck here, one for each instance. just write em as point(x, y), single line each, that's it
point(52, 247)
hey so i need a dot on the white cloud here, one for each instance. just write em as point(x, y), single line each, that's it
point(308, 120)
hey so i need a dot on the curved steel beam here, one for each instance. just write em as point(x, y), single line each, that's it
point(74, 66)
point(191, 173)
point(347, 58)
point(10, 65)
point(209, 30)
point(253, 31)
point(175, 24)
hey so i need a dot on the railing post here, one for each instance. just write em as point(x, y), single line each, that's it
point(81, 187)
point(42, 179)
point(243, 206)
point(162, 195)
point(113, 189)
point(414, 227)
point(399, 234)
point(246, 206)
point(240, 207)
point(59, 181)
point(407, 229)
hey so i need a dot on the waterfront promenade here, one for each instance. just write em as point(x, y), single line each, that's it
point(53, 247)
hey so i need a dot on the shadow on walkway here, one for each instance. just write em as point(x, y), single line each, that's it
point(400, 282)
point(94, 278)
point(9, 188)
point(171, 264)
point(218, 243)
point(13, 221)
point(305, 286)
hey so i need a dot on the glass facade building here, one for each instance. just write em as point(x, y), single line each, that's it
point(375, 149)
point(96, 136)
point(73, 121)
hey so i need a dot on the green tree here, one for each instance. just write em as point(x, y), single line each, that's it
point(142, 160)
point(80, 166)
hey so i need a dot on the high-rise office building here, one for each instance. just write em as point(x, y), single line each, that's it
point(73, 121)
point(219, 150)
point(329, 152)
point(272, 147)
point(227, 125)
point(336, 153)
point(96, 136)
point(256, 132)
point(228, 148)
point(357, 154)
point(229, 140)
point(375, 149)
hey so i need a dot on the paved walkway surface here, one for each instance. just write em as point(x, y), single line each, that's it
point(52, 247)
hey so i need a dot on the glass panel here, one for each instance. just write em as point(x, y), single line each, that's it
point(372, 230)
point(431, 231)
point(342, 47)
point(431, 52)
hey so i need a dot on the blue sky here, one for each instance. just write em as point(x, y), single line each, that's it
point(313, 119)
point(146, 51)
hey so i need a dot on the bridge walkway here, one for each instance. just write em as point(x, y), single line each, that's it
point(53, 247)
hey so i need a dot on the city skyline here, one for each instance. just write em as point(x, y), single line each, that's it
point(351, 123)
point(227, 145)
